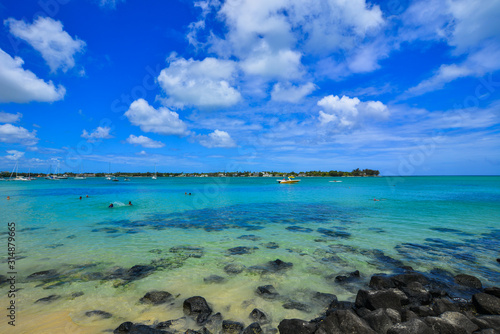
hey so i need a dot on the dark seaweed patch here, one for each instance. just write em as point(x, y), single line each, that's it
point(334, 234)
point(250, 237)
point(242, 216)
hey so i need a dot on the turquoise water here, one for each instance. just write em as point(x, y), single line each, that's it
point(324, 228)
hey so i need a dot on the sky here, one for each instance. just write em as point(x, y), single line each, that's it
point(405, 87)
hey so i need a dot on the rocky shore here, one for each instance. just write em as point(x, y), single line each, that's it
point(408, 302)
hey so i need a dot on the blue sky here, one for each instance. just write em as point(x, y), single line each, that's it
point(405, 87)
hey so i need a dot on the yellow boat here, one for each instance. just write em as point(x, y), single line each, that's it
point(288, 180)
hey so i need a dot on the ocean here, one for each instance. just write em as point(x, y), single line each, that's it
point(220, 241)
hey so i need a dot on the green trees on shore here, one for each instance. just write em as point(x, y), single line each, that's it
point(332, 173)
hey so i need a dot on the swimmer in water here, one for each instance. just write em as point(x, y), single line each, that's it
point(80, 198)
point(8, 197)
point(110, 206)
point(130, 203)
point(87, 196)
point(376, 200)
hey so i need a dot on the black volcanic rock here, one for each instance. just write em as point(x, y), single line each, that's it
point(494, 291)
point(389, 298)
point(381, 282)
point(468, 281)
point(157, 297)
point(258, 316)
point(296, 326)
point(486, 304)
point(414, 326)
point(267, 292)
point(232, 327)
point(98, 313)
point(253, 328)
point(344, 321)
point(197, 307)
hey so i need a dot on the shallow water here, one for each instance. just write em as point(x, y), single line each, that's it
point(323, 228)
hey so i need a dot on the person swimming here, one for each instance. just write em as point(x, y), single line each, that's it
point(80, 198)
point(111, 205)
point(130, 203)
point(8, 197)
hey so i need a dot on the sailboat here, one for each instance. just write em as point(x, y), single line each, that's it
point(154, 177)
point(17, 178)
point(79, 176)
point(108, 176)
point(51, 176)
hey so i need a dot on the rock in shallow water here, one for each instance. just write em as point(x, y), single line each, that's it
point(232, 327)
point(267, 292)
point(98, 313)
point(48, 299)
point(296, 326)
point(156, 297)
point(253, 328)
point(197, 307)
point(259, 316)
point(468, 281)
point(131, 328)
point(214, 279)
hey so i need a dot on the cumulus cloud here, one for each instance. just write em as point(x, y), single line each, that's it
point(98, 134)
point(202, 83)
point(348, 113)
point(289, 93)
point(162, 120)
point(21, 86)
point(270, 37)
point(472, 28)
point(265, 62)
point(9, 118)
point(17, 135)
point(216, 139)
point(144, 141)
point(48, 37)
point(14, 155)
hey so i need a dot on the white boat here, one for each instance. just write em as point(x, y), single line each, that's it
point(108, 176)
point(154, 177)
point(79, 176)
point(288, 180)
point(18, 177)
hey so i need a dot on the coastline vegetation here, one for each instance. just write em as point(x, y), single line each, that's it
point(332, 173)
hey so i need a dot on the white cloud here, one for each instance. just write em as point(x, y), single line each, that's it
point(21, 86)
point(9, 118)
point(98, 134)
point(472, 28)
point(348, 113)
point(161, 120)
point(17, 135)
point(478, 63)
point(109, 3)
point(267, 63)
point(216, 139)
point(289, 93)
point(205, 83)
point(14, 155)
point(144, 141)
point(48, 37)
